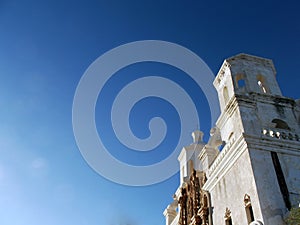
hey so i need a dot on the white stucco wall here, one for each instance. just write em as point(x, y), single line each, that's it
point(230, 189)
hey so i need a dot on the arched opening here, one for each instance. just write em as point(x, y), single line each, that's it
point(230, 136)
point(225, 95)
point(249, 213)
point(262, 84)
point(240, 81)
point(281, 124)
point(248, 208)
point(228, 221)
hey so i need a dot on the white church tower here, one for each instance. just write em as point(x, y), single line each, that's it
point(256, 176)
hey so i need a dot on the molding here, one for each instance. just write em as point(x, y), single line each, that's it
point(265, 143)
point(224, 161)
point(250, 101)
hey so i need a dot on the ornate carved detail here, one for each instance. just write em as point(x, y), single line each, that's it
point(183, 207)
point(195, 192)
point(194, 205)
point(190, 207)
point(196, 220)
point(204, 179)
point(203, 212)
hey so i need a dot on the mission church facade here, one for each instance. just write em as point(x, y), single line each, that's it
point(256, 177)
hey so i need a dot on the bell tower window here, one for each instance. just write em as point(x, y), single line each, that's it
point(240, 81)
point(262, 87)
point(262, 84)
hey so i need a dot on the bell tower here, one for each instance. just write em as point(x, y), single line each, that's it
point(255, 177)
point(251, 100)
point(261, 130)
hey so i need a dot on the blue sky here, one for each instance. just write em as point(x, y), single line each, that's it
point(45, 48)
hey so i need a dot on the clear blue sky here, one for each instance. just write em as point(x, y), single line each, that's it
point(46, 46)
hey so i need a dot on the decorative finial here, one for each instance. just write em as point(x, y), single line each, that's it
point(197, 136)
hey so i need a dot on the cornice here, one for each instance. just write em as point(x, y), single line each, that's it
point(273, 143)
point(250, 100)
